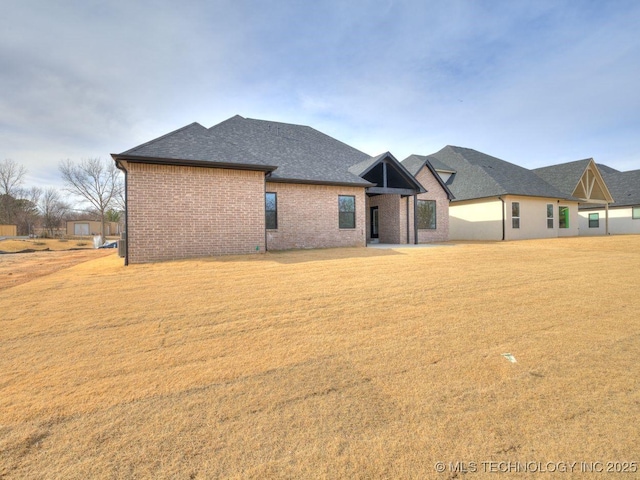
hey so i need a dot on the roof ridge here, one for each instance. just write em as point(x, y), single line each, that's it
point(310, 129)
point(573, 162)
point(192, 124)
point(235, 117)
point(278, 122)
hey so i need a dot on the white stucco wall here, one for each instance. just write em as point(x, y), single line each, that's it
point(482, 219)
point(620, 222)
point(533, 218)
point(476, 220)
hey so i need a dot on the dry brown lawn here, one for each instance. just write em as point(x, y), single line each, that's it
point(23, 267)
point(347, 363)
point(41, 244)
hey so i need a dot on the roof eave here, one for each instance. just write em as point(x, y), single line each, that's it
point(305, 181)
point(193, 163)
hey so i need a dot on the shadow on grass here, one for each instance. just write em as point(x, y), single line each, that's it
point(328, 254)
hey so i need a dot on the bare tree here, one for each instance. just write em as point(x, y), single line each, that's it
point(25, 210)
point(52, 209)
point(11, 177)
point(94, 180)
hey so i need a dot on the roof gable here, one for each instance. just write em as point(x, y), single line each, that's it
point(385, 171)
point(416, 163)
point(580, 178)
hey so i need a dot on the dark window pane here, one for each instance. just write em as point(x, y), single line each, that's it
point(594, 220)
point(271, 220)
point(549, 210)
point(270, 201)
point(426, 213)
point(271, 211)
point(346, 203)
point(346, 211)
point(515, 209)
point(347, 220)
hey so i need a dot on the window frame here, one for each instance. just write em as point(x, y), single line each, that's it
point(595, 221)
point(562, 217)
point(515, 215)
point(275, 210)
point(341, 212)
point(550, 215)
point(434, 215)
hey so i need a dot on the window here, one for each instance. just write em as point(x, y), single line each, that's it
point(346, 211)
point(635, 213)
point(594, 220)
point(515, 214)
point(426, 214)
point(271, 210)
point(549, 215)
point(563, 217)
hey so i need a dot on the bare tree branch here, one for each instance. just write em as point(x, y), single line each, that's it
point(53, 210)
point(95, 181)
point(11, 177)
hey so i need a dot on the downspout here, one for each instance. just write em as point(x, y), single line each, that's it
point(264, 198)
point(408, 229)
point(126, 214)
point(415, 218)
point(503, 217)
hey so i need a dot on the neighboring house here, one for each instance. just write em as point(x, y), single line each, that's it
point(621, 217)
point(86, 228)
point(248, 185)
point(497, 200)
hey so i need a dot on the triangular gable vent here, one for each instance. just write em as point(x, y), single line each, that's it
point(591, 187)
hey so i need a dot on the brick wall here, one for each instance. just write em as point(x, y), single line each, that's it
point(389, 227)
point(437, 193)
point(308, 217)
point(392, 214)
point(180, 212)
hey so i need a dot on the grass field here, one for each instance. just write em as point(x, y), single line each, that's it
point(346, 363)
point(37, 244)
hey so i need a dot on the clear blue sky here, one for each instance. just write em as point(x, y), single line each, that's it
point(532, 82)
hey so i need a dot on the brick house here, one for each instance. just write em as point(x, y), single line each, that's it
point(246, 186)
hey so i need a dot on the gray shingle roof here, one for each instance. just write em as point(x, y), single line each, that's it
point(624, 187)
point(194, 143)
point(365, 165)
point(606, 168)
point(294, 152)
point(300, 152)
point(564, 176)
point(415, 163)
point(478, 175)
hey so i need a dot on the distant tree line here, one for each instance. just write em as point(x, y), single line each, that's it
point(93, 190)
